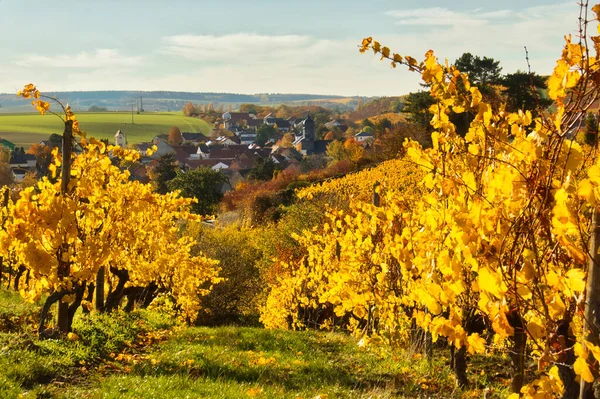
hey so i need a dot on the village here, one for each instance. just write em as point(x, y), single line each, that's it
point(234, 150)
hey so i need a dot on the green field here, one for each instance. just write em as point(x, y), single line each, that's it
point(25, 129)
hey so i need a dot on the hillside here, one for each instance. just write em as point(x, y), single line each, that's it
point(174, 100)
point(376, 107)
point(25, 129)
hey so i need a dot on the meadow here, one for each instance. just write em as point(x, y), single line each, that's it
point(28, 128)
point(147, 354)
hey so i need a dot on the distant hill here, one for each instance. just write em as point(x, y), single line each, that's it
point(175, 100)
point(376, 107)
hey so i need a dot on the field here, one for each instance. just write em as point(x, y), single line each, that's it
point(25, 129)
point(146, 354)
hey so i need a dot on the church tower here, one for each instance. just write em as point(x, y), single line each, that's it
point(120, 139)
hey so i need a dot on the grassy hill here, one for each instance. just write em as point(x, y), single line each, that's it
point(25, 129)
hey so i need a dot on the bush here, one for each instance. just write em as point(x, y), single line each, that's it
point(233, 300)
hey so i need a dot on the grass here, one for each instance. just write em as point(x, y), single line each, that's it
point(25, 129)
point(146, 355)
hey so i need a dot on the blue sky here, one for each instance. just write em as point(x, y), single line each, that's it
point(282, 46)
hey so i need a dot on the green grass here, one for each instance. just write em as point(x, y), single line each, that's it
point(25, 129)
point(146, 355)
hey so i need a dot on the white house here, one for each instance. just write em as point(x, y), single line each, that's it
point(363, 137)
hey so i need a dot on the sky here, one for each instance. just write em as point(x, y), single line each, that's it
point(268, 46)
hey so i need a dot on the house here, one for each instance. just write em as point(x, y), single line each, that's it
point(333, 124)
point(194, 138)
point(182, 153)
point(337, 125)
point(160, 137)
point(139, 172)
point(287, 153)
point(254, 124)
point(231, 119)
point(214, 164)
point(19, 174)
point(305, 141)
point(22, 163)
point(7, 144)
point(19, 159)
point(283, 125)
point(364, 137)
point(247, 136)
point(224, 140)
point(162, 148)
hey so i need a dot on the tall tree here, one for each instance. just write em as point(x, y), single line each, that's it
point(523, 92)
point(203, 184)
point(262, 169)
point(164, 171)
point(43, 157)
point(417, 106)
point(482, 71)
point(175, 136)
point(264, 134)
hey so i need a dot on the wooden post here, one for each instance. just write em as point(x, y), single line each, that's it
point(376, 197)
point(592, 293)
point(4, 205)
point(100, 290)
point(64, 267)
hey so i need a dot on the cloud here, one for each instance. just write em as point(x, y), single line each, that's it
point(99, 58)
point(438, 16)
point(247, 62)
point(242, 48)
point(500, 34)
point(444, 17)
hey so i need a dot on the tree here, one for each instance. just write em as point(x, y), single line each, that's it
point(503, 234)
point(381, 126)
point(287, 140)
point(531, 187)
point(262, 169)
point(349, 150)
point(163, 172)
point(175, 136)
point(417, 106)
point(313, 162)
point(43, 157)
point(264, 134)
point(55, 141)
point(522, 92)
point(482, 71)
point(234, 300)
point(203, 185)
point(5, 154)
point(190, 109)
point(6, 175)
point(96, 108)
point(330, 136)
point(367, 122)
point(249, 108)
point(65, 233)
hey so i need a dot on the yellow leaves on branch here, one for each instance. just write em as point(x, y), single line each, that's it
point(103, 219)
point(496, 226)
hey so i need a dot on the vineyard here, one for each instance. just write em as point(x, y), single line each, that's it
point(484, 248)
